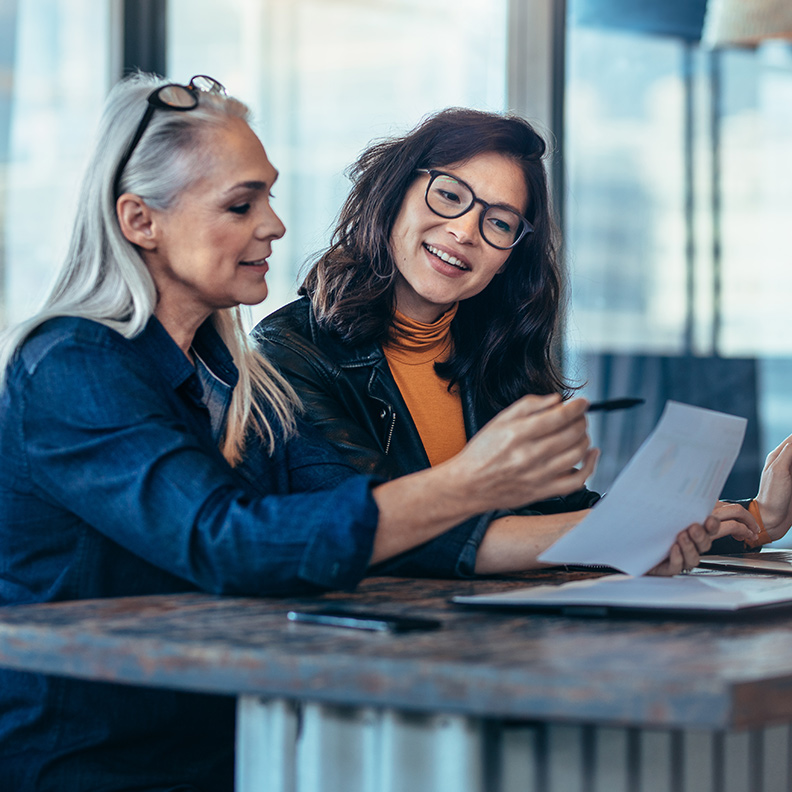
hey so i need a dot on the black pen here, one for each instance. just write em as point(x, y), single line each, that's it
point(613, 404)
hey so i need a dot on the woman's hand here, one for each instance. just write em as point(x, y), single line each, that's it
point(529, 452)
point(775, 491)
point(686, 551)
point(736, 521)
point(525, 454)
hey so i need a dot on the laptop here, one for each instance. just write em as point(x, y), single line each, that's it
point(702, 592)
point(778, 562)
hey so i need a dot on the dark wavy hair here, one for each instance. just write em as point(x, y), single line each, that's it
point(503, 335)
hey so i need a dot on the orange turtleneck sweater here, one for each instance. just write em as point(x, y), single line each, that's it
point(411, 352)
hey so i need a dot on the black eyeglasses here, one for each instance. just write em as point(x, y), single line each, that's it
point(167, 97)
point(449, 197)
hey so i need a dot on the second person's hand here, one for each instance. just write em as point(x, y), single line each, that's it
point(775, 491)
point(688, 548)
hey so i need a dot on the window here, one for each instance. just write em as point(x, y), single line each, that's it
point(625, 213)
point(679, 167)
point(56, 63)
point(326, 77)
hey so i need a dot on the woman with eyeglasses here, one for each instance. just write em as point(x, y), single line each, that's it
point(433, 310)
point(149, 448)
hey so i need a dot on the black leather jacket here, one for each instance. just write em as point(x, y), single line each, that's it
point(350, 395)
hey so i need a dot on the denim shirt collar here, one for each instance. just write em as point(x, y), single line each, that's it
point(157, 344)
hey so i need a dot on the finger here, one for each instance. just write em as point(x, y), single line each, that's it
point(562, 462)
point(576, 478)
point(590, 463)
point(552, 444)
point(693, 541)
point(579, 462)
point(583, 472)
point(736, 530)
point(676, 560)
point(736, 521)
point(528, 405)
point(697, 534)
point(672, 565)
point(701, 537)
point(555, 417)
point(712, 525)
point(735, 511)
point(688, 550)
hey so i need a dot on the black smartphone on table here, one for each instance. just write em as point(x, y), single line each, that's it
point(357, 619)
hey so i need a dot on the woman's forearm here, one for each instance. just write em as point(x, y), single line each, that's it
point(512, 544)
point(416, 508)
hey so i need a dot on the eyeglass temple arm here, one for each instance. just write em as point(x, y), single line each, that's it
point(142, 126)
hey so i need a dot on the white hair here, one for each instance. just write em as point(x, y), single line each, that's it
point(104, 277)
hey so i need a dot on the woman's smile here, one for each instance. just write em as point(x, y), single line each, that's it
point(260, 264)
point(447, 258)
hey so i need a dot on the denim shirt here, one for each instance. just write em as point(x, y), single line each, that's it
point(112, 484)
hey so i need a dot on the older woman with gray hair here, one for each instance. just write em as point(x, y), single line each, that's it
point(148, 448)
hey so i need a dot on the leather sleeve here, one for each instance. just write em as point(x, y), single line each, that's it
point(328, 401)
point(575, 501)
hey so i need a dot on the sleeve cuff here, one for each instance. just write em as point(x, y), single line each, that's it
point(450, 555)
point(339, 559)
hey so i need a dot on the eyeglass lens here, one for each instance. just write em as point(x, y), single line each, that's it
point(207, 84)
point(184, 96)
point(177, 96)
point(447, 197)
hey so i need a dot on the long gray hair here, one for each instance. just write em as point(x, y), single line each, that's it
point(104, 277)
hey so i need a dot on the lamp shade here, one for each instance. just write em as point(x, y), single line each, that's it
point(746, 22)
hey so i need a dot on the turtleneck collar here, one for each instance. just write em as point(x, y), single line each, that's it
point(418, 342)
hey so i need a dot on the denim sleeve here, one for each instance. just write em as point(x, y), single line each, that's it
point(450, 555)
point(315, 464)
point(115, 450)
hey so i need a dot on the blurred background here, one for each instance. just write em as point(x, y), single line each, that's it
point(671, 130)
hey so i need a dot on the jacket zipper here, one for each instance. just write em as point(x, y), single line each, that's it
point(390, 432)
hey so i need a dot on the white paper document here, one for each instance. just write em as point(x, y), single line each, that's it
point(709, 592)
point(673, 480)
